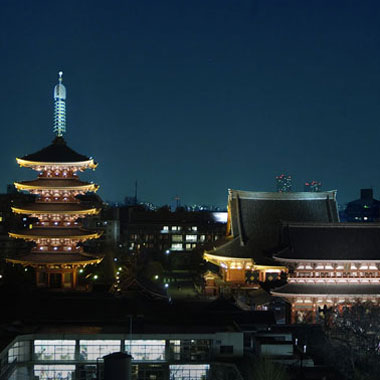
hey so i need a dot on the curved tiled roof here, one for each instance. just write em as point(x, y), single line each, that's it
point(51, 208)
point(256, 219)
point(56, 183)
point(55, 233)
point(56, 258)
point(57, 151)
point(335, 241)
point(327, 289)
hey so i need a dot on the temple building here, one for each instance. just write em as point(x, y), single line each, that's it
point(331, 265)
point(57, 234)
point(244, 257)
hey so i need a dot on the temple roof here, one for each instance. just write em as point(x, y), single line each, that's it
point(256, 219)
point(335, 241)
point(327, 289)
point(56, 183)
point(55, 208)
point(54, 258)
point(56, 152)
point(55, 233)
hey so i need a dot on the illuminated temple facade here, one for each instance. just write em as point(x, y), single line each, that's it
point(254, 224)
point(57, 234)
point(330, 266)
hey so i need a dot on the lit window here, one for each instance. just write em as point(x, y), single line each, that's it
point(202, 238)
point(19, 351)
point(56, 371)
point(174, 228)
point(176, 247)
point(165, 228)
point(54, 349)
point(194, 228)
point(191, 237)
point(189, 371)
point(146, 350)
point(176, 238)
point(95, 349)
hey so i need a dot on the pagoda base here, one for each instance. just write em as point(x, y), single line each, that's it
point(57, 278)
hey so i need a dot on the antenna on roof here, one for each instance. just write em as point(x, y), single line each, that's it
point(136, 192)
point(59, 107)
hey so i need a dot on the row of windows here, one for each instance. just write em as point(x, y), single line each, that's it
point(141, 350)
point(174, 238)
point(178, 228)
point(177, 372)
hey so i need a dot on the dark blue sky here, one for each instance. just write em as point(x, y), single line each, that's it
point(195, 97)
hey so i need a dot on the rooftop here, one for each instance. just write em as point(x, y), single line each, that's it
point(334, 241)
point(59, 208)
point(256, 219)
point(56, 183)
point(54, 258)
point(55, 233)
point(56, 152)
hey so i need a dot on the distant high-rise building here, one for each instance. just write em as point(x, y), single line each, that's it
point(312, 186)
point(365, 209)
point(284, 183)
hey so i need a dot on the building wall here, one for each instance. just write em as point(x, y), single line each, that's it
point(167, 354)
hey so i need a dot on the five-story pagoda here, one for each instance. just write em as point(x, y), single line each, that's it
point(57, 233)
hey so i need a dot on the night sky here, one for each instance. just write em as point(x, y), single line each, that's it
point(195, 97)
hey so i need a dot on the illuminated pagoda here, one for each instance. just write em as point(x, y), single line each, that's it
point(254, 224)
point(57, 253)
point(330, 266)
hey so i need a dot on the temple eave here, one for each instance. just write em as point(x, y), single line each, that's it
point(92, 211)
point(91, 187)
point(62, 265)
point(31, 237)
point(215, 259)
point(79, 164)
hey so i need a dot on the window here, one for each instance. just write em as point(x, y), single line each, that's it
point(54, 349)
point(176, 247)
point(94, 349)
point(19, 351)
point(177, 238)
point(188, 371)
point(146, 350)
point(194, 228)
point(202, 238)
point(165, 228)
point(190, 350)
point(56, 372)
point(191, 237)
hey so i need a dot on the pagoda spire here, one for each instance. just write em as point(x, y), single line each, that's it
point(59, 107)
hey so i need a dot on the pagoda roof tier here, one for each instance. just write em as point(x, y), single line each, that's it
point(330, 242)
point(38, 259)
point(56, 233)
point(255, 220)
point(56, 154)
point(351, 289)
point(56, 208)
point(56, 184)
